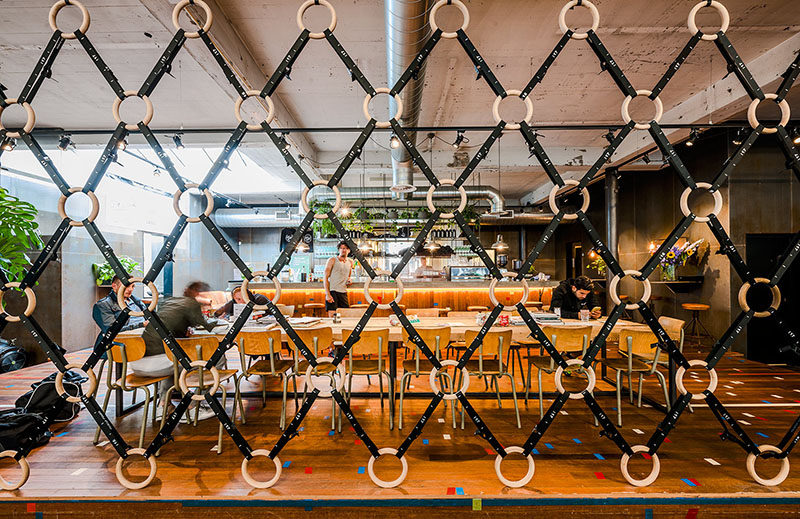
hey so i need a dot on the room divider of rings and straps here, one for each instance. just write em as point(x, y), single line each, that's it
point(731, 429)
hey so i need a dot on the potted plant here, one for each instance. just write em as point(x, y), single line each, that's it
point(18, 234)
point(103, 273)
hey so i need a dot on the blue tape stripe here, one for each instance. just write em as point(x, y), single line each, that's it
point(535, 451)
point(648, 513)
point(361, 470)
point(598, 456)
point(424, 442)
point(576, 441)
point(286, 464)
point(762, 434)
point(688, 482)
point(459, 491)
point(549, 446)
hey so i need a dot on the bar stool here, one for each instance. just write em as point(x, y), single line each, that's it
point(695, 328)
point(313, 309)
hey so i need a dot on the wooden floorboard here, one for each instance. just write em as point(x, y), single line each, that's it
point(574, 464)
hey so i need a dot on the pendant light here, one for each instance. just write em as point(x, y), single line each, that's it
point(500, 245)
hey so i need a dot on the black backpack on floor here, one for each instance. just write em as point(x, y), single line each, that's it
point(44, 398)
point(21, 431)
point(12, 357)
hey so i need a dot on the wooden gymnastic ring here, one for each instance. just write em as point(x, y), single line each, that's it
point(125, 482)
point(552, 199)
point(153, 291)
point(326, 393)
point(380, 482)
point(681, 372)
point(26, 471)
point(237, 109)
point(626, 115)
point(464, 382)
point(520, 482)
point(723, 12)
point(612, 289)
point(304, 7)
point(62, 207)
point(30, 120)
point(562, 18)
point(751, 467)
point(177, 10)
point(383, 306)
point(246, 284)
point(528, 109)
point(461, 205)
point(493, 287)
point(776, 297)
point(254, 482)
point(397, 114)
point(304, 199)
point(148, 116)
point(199, 364)
point(438, 5)
point(29, 308)
point(176, 198)
point(786, 113)
point(590, 374)
point(684, 202)
point(60, 383)
point(60, 5)
point(623, 466)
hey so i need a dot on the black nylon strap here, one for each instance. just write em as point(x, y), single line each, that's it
point(355, 72)
point(354, 250)
point(481, 154)
point(229, 426)
point(672, 156)
point(412, 71)
point(789, 150)
point(733, 161)
point(43, 68)
point(223, 64)
point(668, 423)
point(108, 156)
point(286, 64)
point(106, 251)
point(544, 423)
point(114, 437)
point(355, 335)
point(726, 245)
point(47, 164)
point(676, 64)
point(107, 338)
point(286, 253)
point(538, 150)
point(607, 63)
point(665, 342)
point(416, 431)
point(164, 63)
point(104, 69)
point(414, 337)
point(229, 339)
point(604, 157)
point(223, 243)
point(360, 433)
point(47, 254)
point(165, 433)
point(609, 431)
point(484, 71)
point(287, 154)
point(737, 66)
point(354, 153)
point(50, 348)
point(482, 429)
point(166, 336)
point(726, 341)
point(789, 77)
point(165, 254)
point(162, 155)
point(298, 342)
point(788, 257)
point(599, 246)
point(415, 246)
point(224, 156)
point(666, 245)
point(539, 335)
point(546, 64)
point(415, 155)
point(548, 233)
point(600, 339)
point(477, 248)
point(291, 429)
point(739, 436)
point(790, 439)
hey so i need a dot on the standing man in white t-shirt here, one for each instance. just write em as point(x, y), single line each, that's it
point(336, 279)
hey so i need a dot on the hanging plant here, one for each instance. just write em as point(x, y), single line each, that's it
point(103, 273)
point(471, 215)
point(322, 226)
point(18, 235)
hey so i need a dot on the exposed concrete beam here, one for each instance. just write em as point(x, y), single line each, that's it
point(728, 95)
point(542, 192)
point(227, 39)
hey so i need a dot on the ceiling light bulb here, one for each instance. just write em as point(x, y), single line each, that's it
point(394, 142)
point(500, 245)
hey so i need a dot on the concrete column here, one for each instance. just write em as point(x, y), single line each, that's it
point(612, 236)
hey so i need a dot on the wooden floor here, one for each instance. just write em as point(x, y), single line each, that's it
point(452, 470)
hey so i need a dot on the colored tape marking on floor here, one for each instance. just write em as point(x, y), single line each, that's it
point(441, 420)
point(638, 431)
point(30, 507)
point(286, 464)
point(762, 435)
point(451, 491)
point(308, 470)
point(599, 475)
point(576, 441)
point(598, 456)
point(748, 415)
point(459, 491)
point(744, 422)
point(424, 442)
point(535, 451)
point(688, 482)
point(446, 436)
point(648, 513)
point(712, 461)
point(692, 513)
point(549, 446)
point(564, 412)
point(361, 470)
point(357, 441)
point(79, 471)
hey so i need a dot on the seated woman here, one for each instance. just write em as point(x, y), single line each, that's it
point(237, 298)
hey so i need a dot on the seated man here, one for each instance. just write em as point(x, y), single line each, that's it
point(106, 310)
point(237, 298)
point(178, 314)
point(573, 294)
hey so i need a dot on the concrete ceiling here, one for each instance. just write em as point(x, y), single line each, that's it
point(513, 36)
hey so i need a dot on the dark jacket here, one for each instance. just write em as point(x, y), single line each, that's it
point(564, 298)
point(106, 311)
point(178, 314)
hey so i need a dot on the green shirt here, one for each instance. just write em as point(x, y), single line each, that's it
point(178, 314)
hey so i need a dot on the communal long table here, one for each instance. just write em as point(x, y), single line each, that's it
point(458, 327)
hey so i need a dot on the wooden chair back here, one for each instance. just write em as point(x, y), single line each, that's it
point(287, 310)
point(456, 314)
point(370, 342)
point(423, 312)
point(133, 348)
point(572, 339)
point(260, 343)
point(494, 343)
point(674, 328)
point(351, 312)
point(639, 341)
point(315, 339)
point(208, 344)
point(435, 337)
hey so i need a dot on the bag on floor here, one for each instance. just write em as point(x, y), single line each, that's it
point(44, 399)
point(12, 357)
point(22, 431)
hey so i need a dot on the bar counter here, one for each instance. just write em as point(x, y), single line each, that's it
point(455, 295)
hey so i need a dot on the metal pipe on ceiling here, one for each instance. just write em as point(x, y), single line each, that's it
point(492, 195)
point(407, 29)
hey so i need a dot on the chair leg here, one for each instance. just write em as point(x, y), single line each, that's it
point(514, 395)
point(496, 382)
point(380, 388)
point(641, 379)
point(294, 383)
point(283, 401)
point(663, 383)
point(238, 397)
point(219, 434)
point(402, 392)
point(541, 394)
point(619, 398)
point(105, 407)
point(630, 385)
point(528, 383)
point(263, 391)
point(145, 412)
